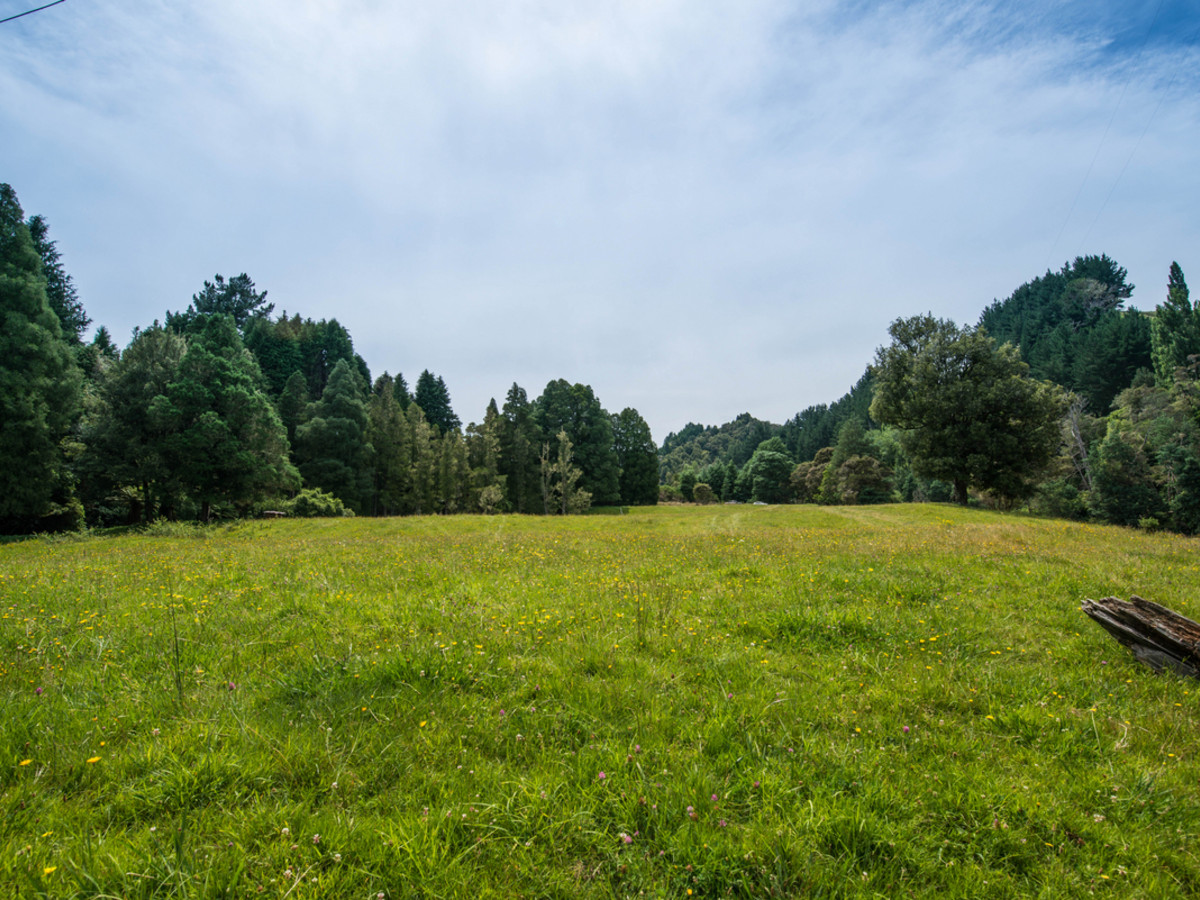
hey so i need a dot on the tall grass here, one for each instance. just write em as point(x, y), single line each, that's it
point(707, 702)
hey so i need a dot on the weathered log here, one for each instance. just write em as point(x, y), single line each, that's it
point(1159, 637)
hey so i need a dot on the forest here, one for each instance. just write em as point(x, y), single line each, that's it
point(1060, 400)
point(225, 410)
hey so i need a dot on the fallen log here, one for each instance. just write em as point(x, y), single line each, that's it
point(1159, 637)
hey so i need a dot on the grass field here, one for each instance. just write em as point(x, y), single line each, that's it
point(707, 702)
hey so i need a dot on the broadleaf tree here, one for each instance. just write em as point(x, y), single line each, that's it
point(968, 411)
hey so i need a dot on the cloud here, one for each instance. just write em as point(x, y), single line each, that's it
point(697, 209)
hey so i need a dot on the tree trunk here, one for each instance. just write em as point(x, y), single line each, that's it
point(1158, 637)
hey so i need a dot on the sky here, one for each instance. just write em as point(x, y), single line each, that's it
point(697, 208)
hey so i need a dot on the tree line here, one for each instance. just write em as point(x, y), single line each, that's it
point(1060, 399)
point(225, 409)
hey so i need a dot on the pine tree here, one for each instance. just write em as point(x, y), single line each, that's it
point(637, 458)
point(293, 405)
point(519, 442)
point(227, 444)
point(1174, 331)
point(128, 430)
point(39, 388)
point(236, 298)
point(332, 447)
point(434, 399)
point(423, 468)
point(391, 439)
point(576, 410)
point(483, 444)
point(60, 288)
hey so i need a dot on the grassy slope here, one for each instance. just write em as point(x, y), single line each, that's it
point(723, 701)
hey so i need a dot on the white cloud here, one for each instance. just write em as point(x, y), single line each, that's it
point(698, 209)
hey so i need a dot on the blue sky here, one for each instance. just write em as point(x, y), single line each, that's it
point(699, 209)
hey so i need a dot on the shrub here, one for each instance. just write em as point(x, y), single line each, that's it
point(313, 503)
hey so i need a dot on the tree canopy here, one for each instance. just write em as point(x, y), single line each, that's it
point(968, 411)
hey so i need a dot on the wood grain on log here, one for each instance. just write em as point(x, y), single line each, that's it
point(1159, 637)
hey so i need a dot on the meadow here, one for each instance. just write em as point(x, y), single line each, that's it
point(899, 701)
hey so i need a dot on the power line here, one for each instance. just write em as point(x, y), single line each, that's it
point(1104, 137)
point(1162, 98)
point(31, 11)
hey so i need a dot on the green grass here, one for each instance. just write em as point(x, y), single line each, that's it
point(731, 701)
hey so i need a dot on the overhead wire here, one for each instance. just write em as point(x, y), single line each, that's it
point(30, 12)
point(1162, 98)
point(1104, 137)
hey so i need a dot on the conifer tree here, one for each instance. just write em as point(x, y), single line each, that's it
point(422, 497)
point(433, 397)
point(39, 388)
point(227, 443)
point(332, 446)
point(483, 444)
point(391, 439)
point(576, 410)
point(637, 458)
point(129, 427)
point(519, 442)
point(1174, 331)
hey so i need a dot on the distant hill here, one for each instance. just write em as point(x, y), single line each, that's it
point(696, 446)
point(1071, 327)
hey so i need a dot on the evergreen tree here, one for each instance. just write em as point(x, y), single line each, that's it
point(293, 405)
point(60, 288)
point(227, 444)
point(390, 436)
point(519, 441)
point(423, 468)
point(236, 298)
point(434, 399)
point(637, 458)
point(128, 431)
point(276, 346)
point(769, 472)
point(39, 388)
point(332, 447)
point(1175, 330)
point(453, 472)
point(687, 485)
point(562, 477)
point(576, 410)
point(1125, 492)
point(483, 444)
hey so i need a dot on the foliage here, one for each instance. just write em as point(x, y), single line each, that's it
point(818, 426)
point(433, 397)
point(40, 388)
point(697, 446)
point(332, 448)
point(61, 294)
point(769, 471)
point(968, 410)
point(1071, 329)
point(637, 458)
point(1175, 331)
point(575, 409)
point(518, 462)
point(314, 503)
point(129, 428)
point(561, 478)
point(225, 442)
